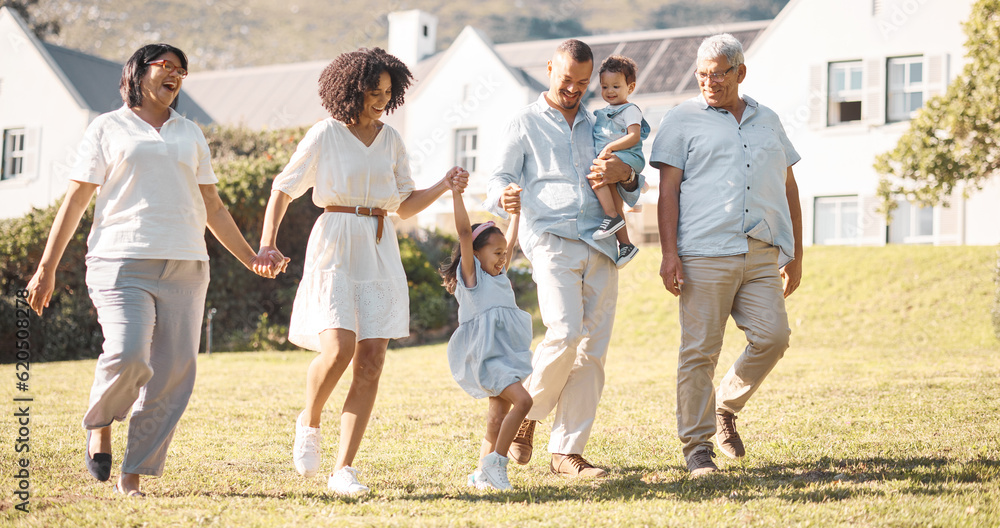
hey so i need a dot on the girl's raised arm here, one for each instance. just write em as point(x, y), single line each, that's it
point(511, 239)
point(467, 265)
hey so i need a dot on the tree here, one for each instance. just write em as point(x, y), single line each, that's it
point(24, 8)
point(953, 141)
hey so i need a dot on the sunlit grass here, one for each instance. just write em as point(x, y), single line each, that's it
point(883, 412)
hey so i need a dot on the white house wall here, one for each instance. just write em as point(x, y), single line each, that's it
point(34, 97)
point(470, 88)
point(804, 39)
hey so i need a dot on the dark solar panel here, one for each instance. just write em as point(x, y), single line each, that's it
point(641, 52)
point(675, 63)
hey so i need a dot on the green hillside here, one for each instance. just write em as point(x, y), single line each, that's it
point(232, 33)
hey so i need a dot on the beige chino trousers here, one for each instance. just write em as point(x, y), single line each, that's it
point(748, 288)
point(577, 292)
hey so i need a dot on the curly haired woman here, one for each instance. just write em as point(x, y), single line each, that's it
point(353, 295)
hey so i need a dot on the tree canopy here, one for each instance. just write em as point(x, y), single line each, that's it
point(41, 28)
point(952, 143)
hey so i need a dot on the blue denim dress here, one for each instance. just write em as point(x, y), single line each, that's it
point(491, 349)
point(610, 126)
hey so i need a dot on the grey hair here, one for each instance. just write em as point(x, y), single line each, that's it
point(721, 45)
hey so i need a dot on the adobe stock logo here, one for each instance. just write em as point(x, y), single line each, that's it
point(894, 17)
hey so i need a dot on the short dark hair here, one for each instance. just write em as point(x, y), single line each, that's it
point(576, 50)
point(137, 66)
point(343, 83)
point(620, 64)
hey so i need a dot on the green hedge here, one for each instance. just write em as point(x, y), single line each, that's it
point(251, 312)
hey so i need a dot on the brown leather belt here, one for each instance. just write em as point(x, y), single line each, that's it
point(362, 211)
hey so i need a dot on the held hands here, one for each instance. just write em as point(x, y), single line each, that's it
point(269, 262)
point(510, 200)
point(457, 179)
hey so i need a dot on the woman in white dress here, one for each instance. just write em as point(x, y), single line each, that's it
point(353, 295)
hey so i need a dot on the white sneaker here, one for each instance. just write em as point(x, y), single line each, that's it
point(478, 480)
point(495, 470)
point(306, 454)
point(345, 482)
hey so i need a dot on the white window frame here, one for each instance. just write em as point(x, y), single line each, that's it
point(899, 91)
point(14, 153)
point(467, 148)
point(911, 213)
point(848, 94)
point(845, 233)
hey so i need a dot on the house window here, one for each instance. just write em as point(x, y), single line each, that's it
point(845, 92)
point(13, 153)
point(466, 149)
point(911, 224)
point(905, 87)
point(835, 221)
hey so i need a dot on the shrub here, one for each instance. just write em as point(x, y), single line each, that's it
point(69, 329)
point(433, 311)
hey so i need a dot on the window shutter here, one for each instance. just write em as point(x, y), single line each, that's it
point(873, 104)
point(817, 96)
point(32, 138)
point(937, 75)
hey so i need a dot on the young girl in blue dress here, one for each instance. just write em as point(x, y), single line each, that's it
point(490, 352)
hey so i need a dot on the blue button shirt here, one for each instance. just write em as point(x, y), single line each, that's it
point(550, 162)
point(733, 186)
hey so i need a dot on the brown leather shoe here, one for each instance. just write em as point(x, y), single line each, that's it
point(726, 435)
point(524, 440)
point(574, 466)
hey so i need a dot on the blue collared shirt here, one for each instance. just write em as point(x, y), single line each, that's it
point(550, 162)
point(733, 186)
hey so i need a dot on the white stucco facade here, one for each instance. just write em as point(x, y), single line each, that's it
point(36, 99)
point(469, 91)
point(790, 69)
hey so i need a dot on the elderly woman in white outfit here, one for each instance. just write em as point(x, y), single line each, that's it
point(147, 264)
point(353, 295)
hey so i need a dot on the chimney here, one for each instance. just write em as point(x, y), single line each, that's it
point(412, 35)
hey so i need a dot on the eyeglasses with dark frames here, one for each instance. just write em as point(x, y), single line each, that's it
point(169, 66)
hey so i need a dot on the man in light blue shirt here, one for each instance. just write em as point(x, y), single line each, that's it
point(546, 167)
point(729, 220)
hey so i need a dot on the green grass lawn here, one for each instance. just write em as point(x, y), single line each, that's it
point(883, 413)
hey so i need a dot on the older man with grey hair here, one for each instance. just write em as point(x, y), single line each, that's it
point(731, 237)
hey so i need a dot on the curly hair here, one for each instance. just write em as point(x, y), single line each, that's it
point(135, 69)
point(620, 64)
point(343, 83)
point(449, 269)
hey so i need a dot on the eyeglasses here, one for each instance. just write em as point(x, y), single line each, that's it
point(715, 76)
point(169, 66)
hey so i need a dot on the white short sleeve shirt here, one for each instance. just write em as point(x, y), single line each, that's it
point(149, 205)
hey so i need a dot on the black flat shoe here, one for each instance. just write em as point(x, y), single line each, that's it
point(100, 465)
